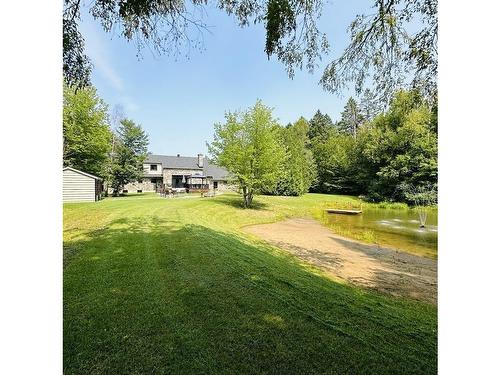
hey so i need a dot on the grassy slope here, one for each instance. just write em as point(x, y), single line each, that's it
point(173, 286)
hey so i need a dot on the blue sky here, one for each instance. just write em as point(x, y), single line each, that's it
point(177, 100)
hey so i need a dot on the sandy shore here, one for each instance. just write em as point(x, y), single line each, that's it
point(368, 266)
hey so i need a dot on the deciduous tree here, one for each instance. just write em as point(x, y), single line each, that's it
point(334, 160)
point(86, 132)
point(130, 152)
point(298, 171)
point(392, 45)
point(248, 146)
point(399, 146)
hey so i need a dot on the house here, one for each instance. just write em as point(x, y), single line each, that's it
point(80, 186)
point(179, 172)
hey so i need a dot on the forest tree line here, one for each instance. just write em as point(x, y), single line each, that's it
point(383, 155)
point(380, 154)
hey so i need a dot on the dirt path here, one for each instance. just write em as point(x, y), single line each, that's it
point(369, 266)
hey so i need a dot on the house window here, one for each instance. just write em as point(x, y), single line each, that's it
point(153, 167)
point(216, 184)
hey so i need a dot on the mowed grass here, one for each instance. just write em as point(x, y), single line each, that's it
point(154, 285)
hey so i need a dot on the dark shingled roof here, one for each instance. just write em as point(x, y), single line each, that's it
point(216, 172)
point(189, 162)
point(181, 162)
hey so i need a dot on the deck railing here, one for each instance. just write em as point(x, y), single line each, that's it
point(197, 186)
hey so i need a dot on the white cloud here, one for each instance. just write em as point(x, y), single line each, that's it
point(98, 53)
point(96, 49)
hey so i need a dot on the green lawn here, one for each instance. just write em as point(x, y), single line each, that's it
point(154, 285)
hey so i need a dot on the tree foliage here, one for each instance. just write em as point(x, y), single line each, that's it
point(248, 146)
point(369, 105)
point(333, 158)
point(397, 148)
point(320, 127)
point(86, 133)
point(174, 27)
point(383, 49)
point(76, 65)
point(130, 152)
point(298, 171)
point(402, 146)
point(350, 118)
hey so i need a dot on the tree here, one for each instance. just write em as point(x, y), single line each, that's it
point(248, 146)
point(131, 151)
point(399, 147)
point(384, 49)
point(396, 148)
point(384, 52)
point(86, 133)
point(334, 160)
point(351, 118)
point(172, 27)
point(115, 117)
point(369, 105)
point(298, 171)
point(76, 65)
point(320, 127)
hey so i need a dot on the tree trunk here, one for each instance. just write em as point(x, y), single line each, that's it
point(247, 197)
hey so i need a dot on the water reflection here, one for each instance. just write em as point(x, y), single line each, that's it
point(397, 228)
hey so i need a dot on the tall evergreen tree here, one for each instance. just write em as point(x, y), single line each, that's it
point(370, 105)
point(351, 118)
point(320, 126)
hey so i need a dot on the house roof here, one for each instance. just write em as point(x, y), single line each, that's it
point(82, 173)
point(181, 162)
point(188, 162)
point(216, 172)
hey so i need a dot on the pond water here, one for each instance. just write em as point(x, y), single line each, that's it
point(395, 228)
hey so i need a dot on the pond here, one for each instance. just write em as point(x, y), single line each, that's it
point(395, 228)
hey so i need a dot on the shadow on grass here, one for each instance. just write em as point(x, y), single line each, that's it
point(131, 195)
point(154, 296)
point(401, 273)
point(236, 201)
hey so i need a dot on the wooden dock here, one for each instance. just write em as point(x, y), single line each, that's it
point(344, 212)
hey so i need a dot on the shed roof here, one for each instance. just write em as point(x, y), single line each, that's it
point(82, 173)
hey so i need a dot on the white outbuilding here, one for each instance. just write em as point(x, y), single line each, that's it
point(79, 186)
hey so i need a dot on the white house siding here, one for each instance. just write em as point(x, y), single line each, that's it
point(78, 187)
